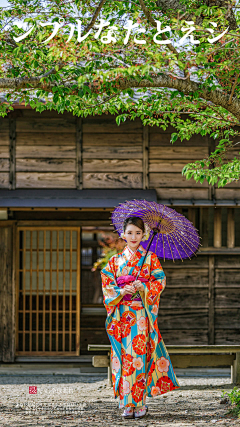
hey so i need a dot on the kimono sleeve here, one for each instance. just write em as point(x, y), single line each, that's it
point(156, 284)
point(111, 292)
point(157, 277)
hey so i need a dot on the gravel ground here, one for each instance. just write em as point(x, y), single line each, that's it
point(64, 400)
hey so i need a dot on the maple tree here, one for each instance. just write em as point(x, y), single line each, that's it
point(191, 86)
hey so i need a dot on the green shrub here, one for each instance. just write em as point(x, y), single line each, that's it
point(234, 397)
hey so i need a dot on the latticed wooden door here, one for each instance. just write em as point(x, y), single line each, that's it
point(48, 291)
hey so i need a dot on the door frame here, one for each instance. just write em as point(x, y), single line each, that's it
point(78, 290)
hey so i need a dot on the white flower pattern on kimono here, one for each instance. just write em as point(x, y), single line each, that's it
point(115, 364)
point(155, 390)
point(162, 364)
point(142, 324)
point(126, 387)
point(137, 363)
point(111, 293)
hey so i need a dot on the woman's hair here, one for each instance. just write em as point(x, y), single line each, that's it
point(135, 220)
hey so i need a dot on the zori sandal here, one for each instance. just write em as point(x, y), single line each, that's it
point(128, 413)
point(140, 413)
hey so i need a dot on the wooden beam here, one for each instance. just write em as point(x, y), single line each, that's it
point(202, 360)
point(235, 370)
point(12, 154)
point(63, 209)
point(217, 237)
point(230, 228)
point(182, 360)
point(145, 160)
point(204, 226)
point(52, 223)
point(79, 168)
point(181, 349)
point(211, 305)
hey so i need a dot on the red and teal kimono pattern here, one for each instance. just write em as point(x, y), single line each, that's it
point(141, 365)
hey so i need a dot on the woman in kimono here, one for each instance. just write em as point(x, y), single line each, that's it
point(140, 362)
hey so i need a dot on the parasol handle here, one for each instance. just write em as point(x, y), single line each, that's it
point(155, 231)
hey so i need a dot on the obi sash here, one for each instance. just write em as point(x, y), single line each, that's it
point(125, 280)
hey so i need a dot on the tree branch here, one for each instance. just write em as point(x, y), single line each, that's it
point(175, 5)
point(153, 22)
point(233, 89)
point(95, 15)
point(53, 70)
point(188, 87)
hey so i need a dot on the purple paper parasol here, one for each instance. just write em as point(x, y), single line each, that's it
point(173, 235)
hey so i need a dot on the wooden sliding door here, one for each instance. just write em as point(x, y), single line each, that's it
point(48, 291)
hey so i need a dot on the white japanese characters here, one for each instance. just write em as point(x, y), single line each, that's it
point(111, 36)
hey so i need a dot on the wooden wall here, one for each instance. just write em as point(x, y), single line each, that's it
point(112, 155)
point(51, 150)
point(167, 160)
point(45, 150)
point(4, 152)
point(7, 294)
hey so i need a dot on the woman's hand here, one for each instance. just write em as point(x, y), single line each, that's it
point(138, 285)
point(128, 289)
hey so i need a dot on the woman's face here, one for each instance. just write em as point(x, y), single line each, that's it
point(133, 236)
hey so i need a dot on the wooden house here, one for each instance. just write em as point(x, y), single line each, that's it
point(60, 177)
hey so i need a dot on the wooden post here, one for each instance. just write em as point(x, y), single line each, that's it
point(12, 154)
point(145, 164)
point(235, 370)
point(217, 238)
point(230, 228)
point(79, 176)
point(110, 370)
point(211, 148)
point(192, 215)
point(204, 226)
point(211, 305)
point(7, 296)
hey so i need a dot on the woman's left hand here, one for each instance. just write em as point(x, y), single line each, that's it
point(138, 285)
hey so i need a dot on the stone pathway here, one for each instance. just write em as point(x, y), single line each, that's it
point(83, 400)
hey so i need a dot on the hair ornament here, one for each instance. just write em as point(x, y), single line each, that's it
point(147, 231)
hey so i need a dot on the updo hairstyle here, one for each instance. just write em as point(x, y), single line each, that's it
point(135, 220)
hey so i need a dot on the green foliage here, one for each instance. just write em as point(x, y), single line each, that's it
point(92, 78)
point(234, 397)
point(110, 246)
point(106, 255)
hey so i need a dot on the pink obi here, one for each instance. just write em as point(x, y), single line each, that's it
point(125, 280)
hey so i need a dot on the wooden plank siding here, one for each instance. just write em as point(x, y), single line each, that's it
point(166, 161)
point(4, 153)
point(227, 299)
point(45, 150)
point(112, 155)
point(52, 151)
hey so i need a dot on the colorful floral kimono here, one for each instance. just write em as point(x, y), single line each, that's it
point(140, 362)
